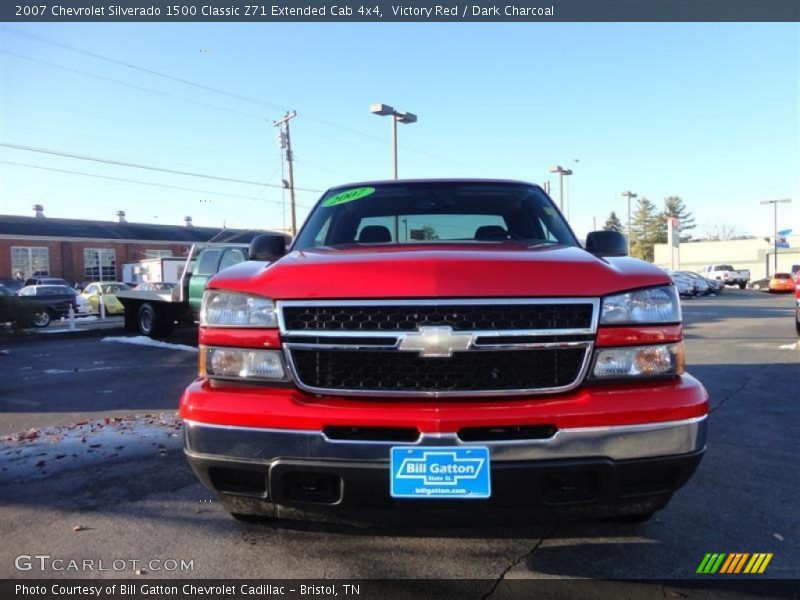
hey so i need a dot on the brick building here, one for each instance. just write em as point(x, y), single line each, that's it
point(82, 250)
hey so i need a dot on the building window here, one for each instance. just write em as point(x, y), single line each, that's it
point(157, 254)
point(100, 264)
point(30, 262)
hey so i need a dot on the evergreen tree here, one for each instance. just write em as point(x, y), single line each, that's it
point(613, 223)
point(429, 233)
point(647, 229)
point(674, 207)
point(426, 232)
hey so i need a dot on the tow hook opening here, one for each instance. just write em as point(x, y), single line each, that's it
point(313, 488)
point(578, 486)
point(242, 482)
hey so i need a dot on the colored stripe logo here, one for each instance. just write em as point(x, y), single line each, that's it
point(734, 563)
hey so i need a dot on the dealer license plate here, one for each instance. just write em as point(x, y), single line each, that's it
point(452, 472)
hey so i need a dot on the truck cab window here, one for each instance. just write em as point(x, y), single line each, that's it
point(207, 264)
point(232, 256)
point(436, 212)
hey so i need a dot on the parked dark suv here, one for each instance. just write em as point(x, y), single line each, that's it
point(53, 302)
point(12, 284)
point(46, 281)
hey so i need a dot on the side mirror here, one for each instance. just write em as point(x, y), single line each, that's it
point(607, 243)
point(268, 246)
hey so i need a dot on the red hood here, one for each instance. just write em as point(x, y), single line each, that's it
point(436, 271)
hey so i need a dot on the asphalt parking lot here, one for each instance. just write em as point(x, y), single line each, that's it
point(125, 482)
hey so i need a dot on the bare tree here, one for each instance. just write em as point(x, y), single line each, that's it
point(721, 231)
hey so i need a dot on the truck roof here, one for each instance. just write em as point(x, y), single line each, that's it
point(434, 180)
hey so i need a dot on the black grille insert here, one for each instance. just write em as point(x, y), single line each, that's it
point(461, 317)
point(371, 434)
point(463, 372)
point(505, 433)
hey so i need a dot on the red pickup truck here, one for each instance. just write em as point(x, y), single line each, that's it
point(797, 301)
point(429, 344)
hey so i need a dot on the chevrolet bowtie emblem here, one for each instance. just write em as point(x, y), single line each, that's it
point(436, 341)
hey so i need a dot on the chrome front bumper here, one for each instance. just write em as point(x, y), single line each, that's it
point(622, 442)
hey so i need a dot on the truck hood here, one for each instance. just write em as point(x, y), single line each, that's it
point(437, 271)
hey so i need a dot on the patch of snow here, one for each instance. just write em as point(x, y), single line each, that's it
point(142, 340)
point(60, 371)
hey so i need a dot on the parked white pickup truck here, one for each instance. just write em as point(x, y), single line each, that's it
point(727, 275)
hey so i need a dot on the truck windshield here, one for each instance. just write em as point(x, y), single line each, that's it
point(434, 212)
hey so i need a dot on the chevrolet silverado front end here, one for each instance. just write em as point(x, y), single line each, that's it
point(443, 344)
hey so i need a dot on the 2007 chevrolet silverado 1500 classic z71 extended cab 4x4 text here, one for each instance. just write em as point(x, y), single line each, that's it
point(442, 344)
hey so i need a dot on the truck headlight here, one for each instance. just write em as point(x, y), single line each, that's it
point(650, 305)
point(229, 309)
point(242, 363)
point(639, 361)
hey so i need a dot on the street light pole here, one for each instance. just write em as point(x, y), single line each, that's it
point(567, 173)
point(629, 194)
point(561, 173)
point(384, 110)
point(775, 226)
point(394, 147)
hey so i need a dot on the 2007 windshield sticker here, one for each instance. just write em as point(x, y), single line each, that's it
point(349, 196)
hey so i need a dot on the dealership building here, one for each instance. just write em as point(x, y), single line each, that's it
point(755, 254)
point(80, 250)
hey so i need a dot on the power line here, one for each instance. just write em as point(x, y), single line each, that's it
point(141, 166)
point(168, 95)
point(140, 182)
point(324, 169)
point(201, 86)
point(51, 42)
point(131, 85)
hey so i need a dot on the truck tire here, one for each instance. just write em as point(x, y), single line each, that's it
point(43, 318)
point(154, 323)
point(742, 285)
point(632, 519)
point(250, 518)
point(131, 316)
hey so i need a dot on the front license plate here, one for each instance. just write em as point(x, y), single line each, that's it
point(440, 472)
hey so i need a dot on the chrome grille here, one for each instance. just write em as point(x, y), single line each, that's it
point(435, 348)
point(460, 317)
point(463, 372)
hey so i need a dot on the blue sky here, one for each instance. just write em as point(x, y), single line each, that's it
point(709, 112)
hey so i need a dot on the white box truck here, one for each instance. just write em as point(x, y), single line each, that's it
point(154, 270)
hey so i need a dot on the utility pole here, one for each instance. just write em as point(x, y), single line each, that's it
point(285, 142)
point(775, 227)
point(629, 194)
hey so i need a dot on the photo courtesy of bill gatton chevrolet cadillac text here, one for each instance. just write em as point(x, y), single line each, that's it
point(442, 344)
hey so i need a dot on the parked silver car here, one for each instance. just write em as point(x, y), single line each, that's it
point(715, 285)
point(684, 285)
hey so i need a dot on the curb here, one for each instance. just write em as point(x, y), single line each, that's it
point(30, 334)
